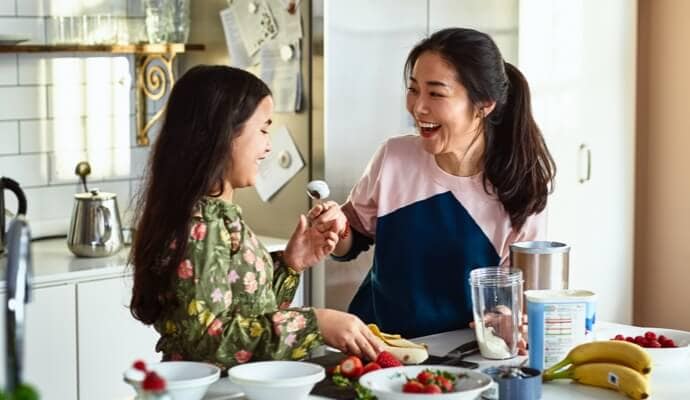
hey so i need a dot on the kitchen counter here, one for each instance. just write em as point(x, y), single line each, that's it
point(54, 264)
point(667, 382)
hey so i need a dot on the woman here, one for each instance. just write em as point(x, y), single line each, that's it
point(201, 276)
point(450, 199)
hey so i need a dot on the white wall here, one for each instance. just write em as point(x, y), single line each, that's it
point(60, 108)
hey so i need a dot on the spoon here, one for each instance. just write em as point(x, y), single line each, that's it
point(318, 190)
point(83, 169)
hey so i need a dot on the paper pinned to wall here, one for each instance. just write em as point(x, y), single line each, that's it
point(239, 57)
point(289, 20)
point(282, 163)
point(280, 69)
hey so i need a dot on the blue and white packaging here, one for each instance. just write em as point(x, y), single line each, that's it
point(558, 320)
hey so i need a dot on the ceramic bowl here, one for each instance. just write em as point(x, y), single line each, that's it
point(664, 356)
point(185, 380)
point(271, 380)
point(386, 384)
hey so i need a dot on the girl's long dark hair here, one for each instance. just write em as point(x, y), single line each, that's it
point(189, 160)
point(516, 160)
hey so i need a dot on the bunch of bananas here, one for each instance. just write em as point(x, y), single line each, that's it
point(405, 351)
point(612, 364)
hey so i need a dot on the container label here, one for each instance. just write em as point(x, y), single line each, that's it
point(564, 328)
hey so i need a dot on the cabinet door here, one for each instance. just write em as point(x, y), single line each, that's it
point(498, 18)
point(50, 346)
point(579, 57)
point(110, 339)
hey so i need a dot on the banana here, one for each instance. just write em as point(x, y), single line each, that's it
point(405, 351)
point(609, 376)
point(608, 351)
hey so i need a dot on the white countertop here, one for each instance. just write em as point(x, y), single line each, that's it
point(54, 264)
point(667, 382)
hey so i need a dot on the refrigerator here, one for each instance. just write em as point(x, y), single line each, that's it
point(357, 96)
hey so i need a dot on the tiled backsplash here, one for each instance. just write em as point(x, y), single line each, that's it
point(60, 108)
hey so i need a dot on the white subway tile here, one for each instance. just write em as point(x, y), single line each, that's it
point(22, 102)
point(106, 164)
point(58, 69)
point(46, 135)
point(9, 137)
point(140, 157)
point(27, 169)
point(135, 8)
point(8, 69)
point(33, 28)
point(90, 99)
point(7, 7)
point(32, 8)
point(49, 209)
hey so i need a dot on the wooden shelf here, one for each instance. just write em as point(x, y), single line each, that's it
point(163, 48)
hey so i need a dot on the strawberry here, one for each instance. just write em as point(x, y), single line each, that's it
point(445, 384)
point(432, 388)
point(140, 365)
point(653, 343)
point(649, 335)
point(619, 337)
point(351, 367)
point(372, 366)
point(413, 386)
point(425, 377)
point(387, 360)
point(153, 382)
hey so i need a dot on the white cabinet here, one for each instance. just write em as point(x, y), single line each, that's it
point(110, 339)
point(50, 346)
point(579, 57)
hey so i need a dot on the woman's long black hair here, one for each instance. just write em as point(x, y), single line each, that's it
point(516, 160)
point(206, 109)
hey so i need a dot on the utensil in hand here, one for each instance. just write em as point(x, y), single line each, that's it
point(83, 169)
point(318, 190)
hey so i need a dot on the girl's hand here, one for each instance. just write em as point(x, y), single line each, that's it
point(328, 216)
point(347, 333)
point(308, 245)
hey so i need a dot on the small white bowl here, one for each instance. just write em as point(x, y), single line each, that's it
point(185, 380)
point(387, 383)
point(271, 380)
point(663, 356)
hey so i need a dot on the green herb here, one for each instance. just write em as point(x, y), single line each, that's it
point(363, 393)
point(341, 381)
point(23, 392)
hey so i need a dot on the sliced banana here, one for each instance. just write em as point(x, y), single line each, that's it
point(405, 351)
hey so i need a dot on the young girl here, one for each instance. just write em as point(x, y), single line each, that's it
point(210, 288)
point(453, 197)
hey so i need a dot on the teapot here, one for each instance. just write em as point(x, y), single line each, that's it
point(95, 229)
point(12, 186)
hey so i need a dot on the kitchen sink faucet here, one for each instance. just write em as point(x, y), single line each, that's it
point(18, 282)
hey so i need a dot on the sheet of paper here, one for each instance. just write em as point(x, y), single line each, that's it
point(255, 23)
point(233, 38)
point(282, 163)
point(282, 75)
point(289, 23)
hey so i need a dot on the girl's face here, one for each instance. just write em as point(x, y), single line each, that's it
point(250, 146)
point(445, 118)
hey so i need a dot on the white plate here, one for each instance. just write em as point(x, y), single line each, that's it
point(12, 39)
point(660, 356)
point(387, 383)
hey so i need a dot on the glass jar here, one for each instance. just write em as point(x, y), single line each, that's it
point(181, 21)
point(497, 310)
point(159, 20)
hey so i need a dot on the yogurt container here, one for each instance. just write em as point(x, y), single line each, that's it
point(558, 321)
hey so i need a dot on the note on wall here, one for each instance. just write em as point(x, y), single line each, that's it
point(282, 163)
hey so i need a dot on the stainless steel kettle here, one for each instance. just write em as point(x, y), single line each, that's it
point(12, 186)
point(95, 229)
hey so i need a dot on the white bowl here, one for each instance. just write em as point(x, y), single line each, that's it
point(271, 380)
point(185, 380)
point(663, 356)
point(386, 384)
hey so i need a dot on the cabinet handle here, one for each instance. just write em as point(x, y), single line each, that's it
point(588, 173)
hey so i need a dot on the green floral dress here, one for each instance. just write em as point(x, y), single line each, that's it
point(232, 297)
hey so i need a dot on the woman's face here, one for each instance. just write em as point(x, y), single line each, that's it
point(251, 145)
point(445, 118)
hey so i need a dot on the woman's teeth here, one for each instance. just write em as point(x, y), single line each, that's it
point(426, 129)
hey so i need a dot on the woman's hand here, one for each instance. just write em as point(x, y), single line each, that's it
point(308, 245)
point(328, 216)
point(347, 333)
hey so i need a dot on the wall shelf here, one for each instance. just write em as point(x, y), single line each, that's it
point(153, 70)
point(163, 48)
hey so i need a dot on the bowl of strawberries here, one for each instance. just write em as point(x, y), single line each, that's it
point(665, 346)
